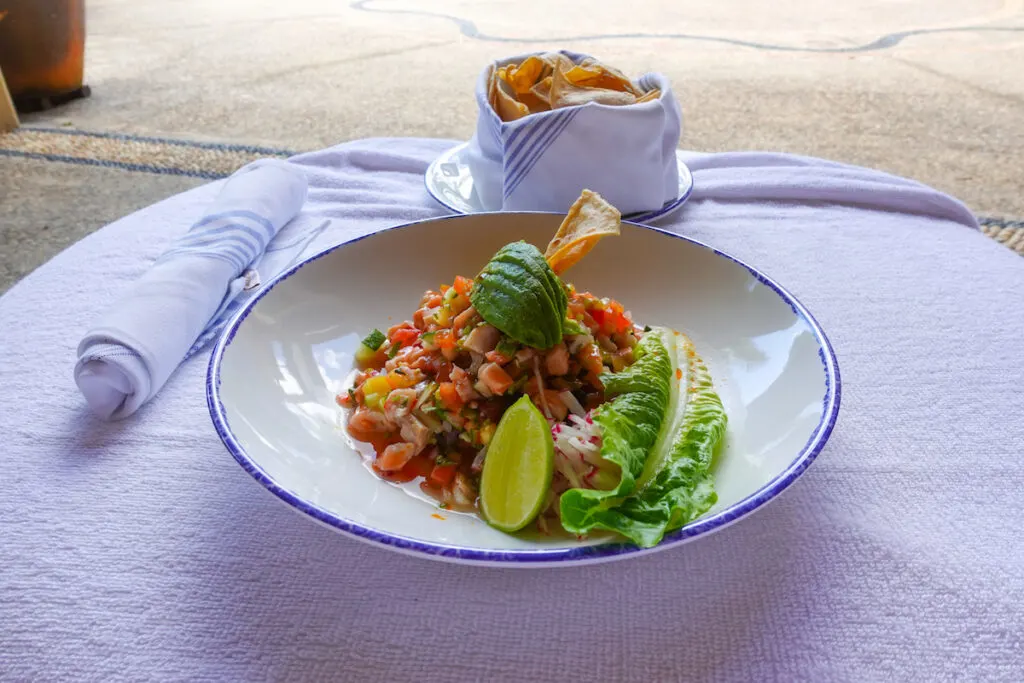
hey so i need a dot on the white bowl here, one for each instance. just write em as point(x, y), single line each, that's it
point(276, 370)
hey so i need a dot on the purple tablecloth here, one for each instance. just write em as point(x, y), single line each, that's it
point(141, 551)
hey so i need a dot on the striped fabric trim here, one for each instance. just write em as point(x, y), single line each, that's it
point(517, 172)
point(236, 237)
point(647, 82)
point(513, 136)
point(238, 213)
point(529, 142)
point(524, 141)
point(298, 247)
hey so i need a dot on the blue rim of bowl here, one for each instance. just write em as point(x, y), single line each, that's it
point(637, 217)
point(571, 555)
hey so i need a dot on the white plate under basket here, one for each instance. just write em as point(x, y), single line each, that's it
point(450, 182)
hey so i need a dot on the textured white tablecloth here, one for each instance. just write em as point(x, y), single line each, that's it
point(141, 551)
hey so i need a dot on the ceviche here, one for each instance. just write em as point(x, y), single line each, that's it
point(513, 383)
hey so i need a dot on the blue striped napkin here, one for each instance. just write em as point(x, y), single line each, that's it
point(543, 161)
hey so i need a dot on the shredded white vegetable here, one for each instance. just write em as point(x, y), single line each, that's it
point(572, 403)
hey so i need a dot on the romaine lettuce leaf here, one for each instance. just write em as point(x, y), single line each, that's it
point(672, 484)
point(630, 423)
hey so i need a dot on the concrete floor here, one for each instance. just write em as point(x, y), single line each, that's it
point(930, 89)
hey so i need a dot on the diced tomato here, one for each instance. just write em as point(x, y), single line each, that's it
point(611, 320)
point(622, 324)
point(449, 396)
point(590, 357)
point(406, 336)
point(419, 466)
point(441, 476)
point(463, 285)
point(444, 339)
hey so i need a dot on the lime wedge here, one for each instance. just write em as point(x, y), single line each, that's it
point(517, 469)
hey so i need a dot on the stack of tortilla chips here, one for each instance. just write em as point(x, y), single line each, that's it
point(552, 80)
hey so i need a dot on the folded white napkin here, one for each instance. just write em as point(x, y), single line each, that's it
point(181, 302)
point(541, 162)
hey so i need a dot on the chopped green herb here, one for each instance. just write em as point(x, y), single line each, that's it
point(442, 460)
point(507, 347)
point(374, 340)
point(393, 351)
point(352, 395)
point(443, 506)
point(647, 328)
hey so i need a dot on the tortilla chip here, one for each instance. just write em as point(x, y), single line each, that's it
point(589, 219)
point(597, 76)
point(521, 80)
point(534, 102)
point(565, 93)
point(506, 104)
point(523, 77)
point(649, 96)
point(552, 80)
point(542, 90)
